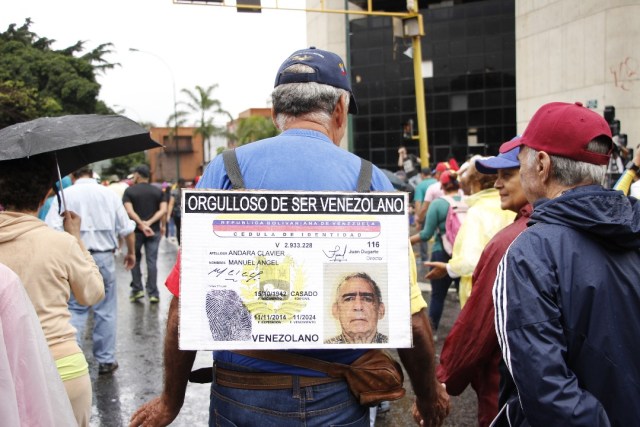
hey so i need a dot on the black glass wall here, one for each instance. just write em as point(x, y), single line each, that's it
point(469, 56)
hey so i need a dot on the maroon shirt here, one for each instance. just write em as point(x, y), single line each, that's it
point(471, 354)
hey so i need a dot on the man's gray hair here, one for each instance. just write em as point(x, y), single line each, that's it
point(365, 277)
point(310, 100)
point(572, 172)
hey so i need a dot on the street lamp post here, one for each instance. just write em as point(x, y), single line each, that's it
point(175, 112)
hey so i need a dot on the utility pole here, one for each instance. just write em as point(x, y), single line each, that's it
point(412, 27)
point(173, 134)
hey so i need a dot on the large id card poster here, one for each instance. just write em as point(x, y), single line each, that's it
point(266, 270)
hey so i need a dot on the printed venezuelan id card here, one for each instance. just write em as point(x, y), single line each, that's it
point(286, 270)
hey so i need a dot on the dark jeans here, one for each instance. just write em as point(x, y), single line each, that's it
point(151, 245)
point(316, 406)
point(439, 289)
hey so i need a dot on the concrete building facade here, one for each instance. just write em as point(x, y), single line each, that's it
point(579, 50)
point(525, 52)
point(184, 151)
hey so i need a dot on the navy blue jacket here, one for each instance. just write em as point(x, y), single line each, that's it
point(567, 302)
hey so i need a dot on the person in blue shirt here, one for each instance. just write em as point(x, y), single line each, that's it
point(311, 101)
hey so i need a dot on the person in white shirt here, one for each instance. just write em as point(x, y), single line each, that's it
point(104, 220)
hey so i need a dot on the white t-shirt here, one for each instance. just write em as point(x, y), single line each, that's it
point(433, 192)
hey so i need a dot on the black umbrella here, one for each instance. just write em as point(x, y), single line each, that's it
point(75, 140)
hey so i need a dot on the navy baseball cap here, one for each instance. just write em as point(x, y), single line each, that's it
point(330, 70)
point(506, 160)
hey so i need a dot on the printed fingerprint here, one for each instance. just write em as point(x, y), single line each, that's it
point(229, 319)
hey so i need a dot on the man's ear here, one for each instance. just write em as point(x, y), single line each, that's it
point(543, 166)
point(381, 311)
point(340, 112)
point(334, 310)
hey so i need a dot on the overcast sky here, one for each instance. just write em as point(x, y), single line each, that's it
point(189, 44)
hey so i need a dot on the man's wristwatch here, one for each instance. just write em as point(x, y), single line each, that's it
point(635, 168)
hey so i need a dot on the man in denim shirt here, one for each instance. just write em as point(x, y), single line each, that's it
point(311, 101)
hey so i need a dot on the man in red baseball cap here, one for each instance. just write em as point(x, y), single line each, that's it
point(567, 294)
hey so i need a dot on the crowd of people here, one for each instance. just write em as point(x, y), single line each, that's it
point(62, 251)
point(544, 258)
point(535, 332)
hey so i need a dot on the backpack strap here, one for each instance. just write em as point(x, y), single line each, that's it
point(450, 200)
point(364, 178)
point(233, 168)
point(237, 182)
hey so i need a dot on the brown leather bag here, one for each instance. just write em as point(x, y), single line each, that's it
point(373, 378)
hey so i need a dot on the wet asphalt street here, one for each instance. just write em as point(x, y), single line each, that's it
point(141, 329)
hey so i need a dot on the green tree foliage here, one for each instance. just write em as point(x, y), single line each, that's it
point(122, 166)
point(18, 103)
point(253, 128)
point(38, 81)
